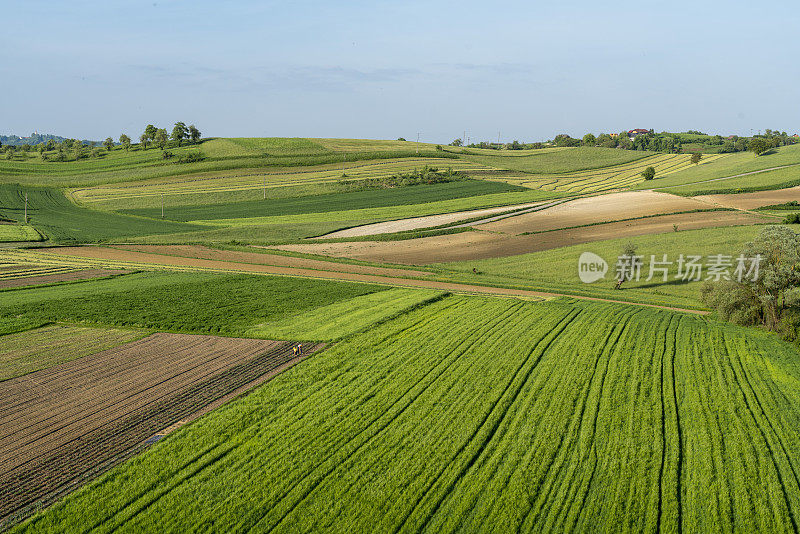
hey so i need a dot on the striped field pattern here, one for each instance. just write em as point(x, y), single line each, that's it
point(615, 177)
point(486, 415)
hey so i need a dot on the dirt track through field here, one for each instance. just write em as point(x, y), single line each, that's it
point(58, 424)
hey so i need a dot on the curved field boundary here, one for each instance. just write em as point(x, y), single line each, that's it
point(57, 425)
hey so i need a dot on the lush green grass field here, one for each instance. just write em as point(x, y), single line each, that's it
point(18, 232)
point(557, 269)
point(762, 181)
point(560, 161)
point(372, 198)
point(344, 318)
point(184, 302)
point(218, 155)
point(727, 166)
point(473, 415)
point(61, 221)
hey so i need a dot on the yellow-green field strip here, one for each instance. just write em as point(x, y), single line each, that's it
point(242, 182)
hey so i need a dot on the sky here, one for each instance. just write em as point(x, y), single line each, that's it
point(388, 69)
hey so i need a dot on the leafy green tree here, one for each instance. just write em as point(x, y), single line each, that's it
point(589, 140)
point(770, 299)
point(759, 145)
point(150, 131)
point(143, 141)
point(606, 141)
point(696, 157)
point(161, 138)
point(194, 133)
point(456, 142)
point(649, 173)
point(125, 141)
point(109, 144)
point(51, 144)
point(179, 133)
point(78, 149)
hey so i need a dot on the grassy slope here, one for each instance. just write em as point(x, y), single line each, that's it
point(191, 303)
point(60, 220)
point(777, 179)
point(561, 161)
point(372, 198)
point(477, 414)
point(344, 318)
point(730, 165)
point(18, 232)
point(557, 270)
point(121, 166)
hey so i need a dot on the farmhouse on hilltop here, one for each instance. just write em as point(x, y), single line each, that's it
point(633, 134)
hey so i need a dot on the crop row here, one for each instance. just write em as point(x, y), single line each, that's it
point(475, 414)
point(258, 180)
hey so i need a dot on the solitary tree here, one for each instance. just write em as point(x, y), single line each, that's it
point(649, 173)
point(108, 143)
point(696, 157)
point(143, 140)
point(161, 138)
point(125, 141)
point(179, 132)
point(194, 133)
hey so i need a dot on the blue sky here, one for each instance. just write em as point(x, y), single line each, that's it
point(527, 70)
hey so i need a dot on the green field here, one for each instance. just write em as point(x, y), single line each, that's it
point(557, 269)
point(760, 181)
point(727, 166)
point(18, 232)
point(60, 220)
point(179, 302)
point(474, 414)
point(322, 203)
point(561, 161)
point(344, 318)
point(614, 177)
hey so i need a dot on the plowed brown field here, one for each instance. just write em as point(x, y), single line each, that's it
point(63, 425)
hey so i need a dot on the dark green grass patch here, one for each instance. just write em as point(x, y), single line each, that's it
point(372, 198)
point(52, 214)
point(192, 303)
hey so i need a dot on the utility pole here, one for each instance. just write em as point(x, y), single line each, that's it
point(464, 139)
point(417, 142)
point(162, 205)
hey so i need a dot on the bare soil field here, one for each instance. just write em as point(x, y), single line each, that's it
point(749, 201)
point(591, 210)
point(266, 258)
point(63, 425)
point(415, 223)
point(85, 274)
point(483, 244)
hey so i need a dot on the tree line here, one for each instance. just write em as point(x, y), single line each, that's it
point(672, 143)
point(155, 137)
